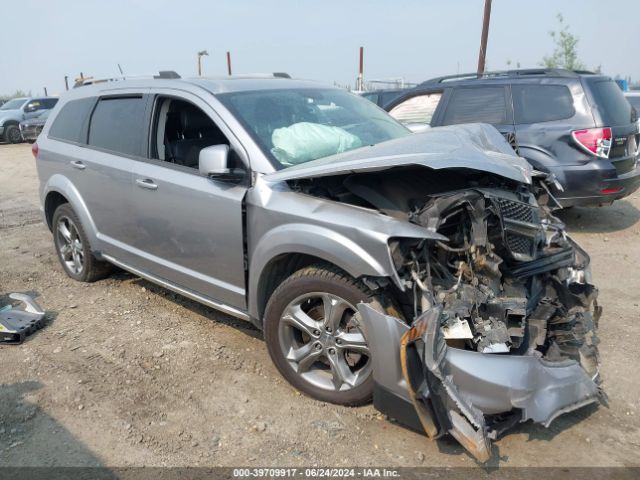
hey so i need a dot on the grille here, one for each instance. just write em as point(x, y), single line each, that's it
point(519, 244)
point(516, 210)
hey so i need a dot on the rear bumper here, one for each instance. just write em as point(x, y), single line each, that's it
point(595, 183)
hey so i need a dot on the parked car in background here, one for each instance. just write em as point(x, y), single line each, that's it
point(633, 97)
point(383, 97)
point(30, 129)
point(417, 269)
point(17, 110)
point(573, 124)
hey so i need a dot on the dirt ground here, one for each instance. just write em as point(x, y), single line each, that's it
point(127, 373)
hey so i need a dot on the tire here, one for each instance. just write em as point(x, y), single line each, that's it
point(293, 343)
point(12, 134)
point(73, 248)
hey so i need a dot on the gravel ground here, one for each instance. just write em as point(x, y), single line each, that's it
point(127, 373)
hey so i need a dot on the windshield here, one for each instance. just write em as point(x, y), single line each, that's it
point(299, 125)
point(14, 104)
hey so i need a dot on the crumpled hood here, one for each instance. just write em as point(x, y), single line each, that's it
point(474, 146)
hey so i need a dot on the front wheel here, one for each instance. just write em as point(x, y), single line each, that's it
point(12, 134)
point(314, 336)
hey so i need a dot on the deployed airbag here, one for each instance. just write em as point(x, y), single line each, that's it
point(306, 141)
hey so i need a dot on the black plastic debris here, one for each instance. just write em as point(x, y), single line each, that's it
point(18, 323)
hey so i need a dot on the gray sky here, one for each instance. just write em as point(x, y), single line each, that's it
point(42, 41)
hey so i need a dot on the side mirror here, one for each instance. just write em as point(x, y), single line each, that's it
point(418, 127)
point(213, 162)
point(30, 108)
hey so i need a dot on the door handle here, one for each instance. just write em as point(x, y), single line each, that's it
point(146, 183)
point(78, 164)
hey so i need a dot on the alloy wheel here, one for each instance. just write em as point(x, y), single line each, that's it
point(70, 245)
point(321, 339)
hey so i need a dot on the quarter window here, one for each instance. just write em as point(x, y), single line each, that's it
point(418, 109)
point(541, 103)
point(69, 123)
point(116, 125)
point(470, 105)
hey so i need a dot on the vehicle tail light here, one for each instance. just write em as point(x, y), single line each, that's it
point(607, 191)
point(35, 150)
point(594, 140)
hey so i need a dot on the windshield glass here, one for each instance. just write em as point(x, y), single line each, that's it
point(299, 125)
point(14, 104)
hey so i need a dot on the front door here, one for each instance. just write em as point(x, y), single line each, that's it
point(189, 228)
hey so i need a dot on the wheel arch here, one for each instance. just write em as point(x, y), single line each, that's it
point(286, 249)
point(59, 190)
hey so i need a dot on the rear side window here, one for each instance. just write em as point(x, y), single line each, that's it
point(116, 125)
point(541, 103)
point(610, 101)
point(69, 123)
point(470, 105)
point(418, 109)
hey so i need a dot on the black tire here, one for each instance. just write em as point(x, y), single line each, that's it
point(92, 269)
point(312, 280)
point(12, 134)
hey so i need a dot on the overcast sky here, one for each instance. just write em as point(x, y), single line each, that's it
point(42, 41)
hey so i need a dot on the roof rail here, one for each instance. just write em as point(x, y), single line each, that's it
point(556, 72)
point(163, 74)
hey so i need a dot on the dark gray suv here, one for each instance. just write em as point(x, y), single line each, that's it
point(424, 270)
point(575, 125)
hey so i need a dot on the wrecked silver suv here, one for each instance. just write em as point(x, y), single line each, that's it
point(425, 271)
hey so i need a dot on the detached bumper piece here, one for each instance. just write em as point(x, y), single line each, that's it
point(472, 396)
point(18, 323)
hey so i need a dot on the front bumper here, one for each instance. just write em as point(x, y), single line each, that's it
point(463, 392)
point(587, 185)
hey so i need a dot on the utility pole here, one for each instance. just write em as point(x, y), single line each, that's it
point(360, 80)
point(229, 63)
point(66, 82)
point(485, 35)
point(201, 53)
point(45, 92)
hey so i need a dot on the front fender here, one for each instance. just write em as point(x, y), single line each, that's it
point(60, 184)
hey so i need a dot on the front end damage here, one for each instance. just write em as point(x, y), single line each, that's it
point(503, 321)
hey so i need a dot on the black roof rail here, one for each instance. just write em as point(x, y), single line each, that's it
point(556, 72)
point(167, 74)
point(84, 81)
point(281, 75)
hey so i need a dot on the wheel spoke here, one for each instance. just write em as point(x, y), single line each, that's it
point(66, 251)
point(305, 356)
point(77, 264)
point(341, 372)
point(298, 319)
point(353, 341)
point(334, 309)
point(64, 231)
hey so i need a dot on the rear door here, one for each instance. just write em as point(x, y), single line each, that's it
point(114, 140)
point(482, 104)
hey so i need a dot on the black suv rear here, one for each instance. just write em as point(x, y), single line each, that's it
point(576, 125)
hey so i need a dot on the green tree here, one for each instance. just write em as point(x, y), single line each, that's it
point(565, 54)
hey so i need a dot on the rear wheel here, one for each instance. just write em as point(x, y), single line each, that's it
point(73, 249)
point(12, 134)
point(314, 336)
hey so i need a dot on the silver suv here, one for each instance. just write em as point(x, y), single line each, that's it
point(425, 270)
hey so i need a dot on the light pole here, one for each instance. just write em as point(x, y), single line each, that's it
point(486, 18)
point(201, 53)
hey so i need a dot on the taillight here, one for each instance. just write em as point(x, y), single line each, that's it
point(594, 140)
point(35, 150)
